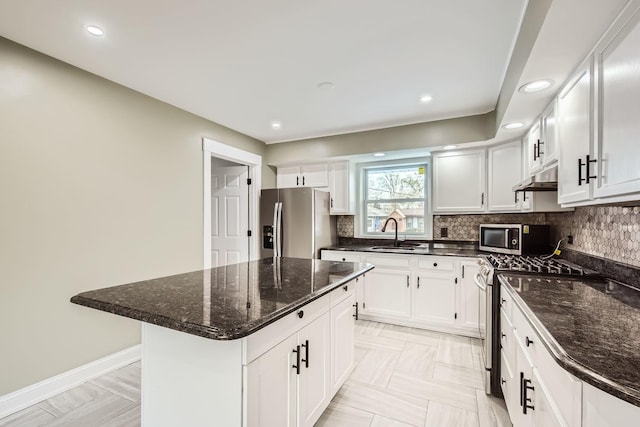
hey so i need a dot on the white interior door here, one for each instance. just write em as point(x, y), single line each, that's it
point(229, 213)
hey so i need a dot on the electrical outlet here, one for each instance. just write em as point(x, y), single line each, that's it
point(570, 239)
point(444, 231)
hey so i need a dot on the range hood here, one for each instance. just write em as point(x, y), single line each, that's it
point(546, 180)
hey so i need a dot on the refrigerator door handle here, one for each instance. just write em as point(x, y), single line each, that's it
point(275, 227)
point(278, 230)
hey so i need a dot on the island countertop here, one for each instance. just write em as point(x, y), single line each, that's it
point(228, 302)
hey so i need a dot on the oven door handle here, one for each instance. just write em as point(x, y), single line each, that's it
point(478, 278)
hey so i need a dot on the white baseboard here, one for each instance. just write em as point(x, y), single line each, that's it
point(34, 393)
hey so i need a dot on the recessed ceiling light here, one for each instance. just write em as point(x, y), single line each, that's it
point(426, 99)
point(535, 86)
point(514, 125)
point(378, 154)
point(449, 147)
point(96, 31)
point(326, 85)
point(276, 125)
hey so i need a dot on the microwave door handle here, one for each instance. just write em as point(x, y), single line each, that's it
point(507, 238)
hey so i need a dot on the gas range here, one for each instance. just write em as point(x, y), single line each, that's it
point(537, 265)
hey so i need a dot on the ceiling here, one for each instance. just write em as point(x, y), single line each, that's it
point(247, 64)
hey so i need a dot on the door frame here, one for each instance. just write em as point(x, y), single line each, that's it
point(212, 148)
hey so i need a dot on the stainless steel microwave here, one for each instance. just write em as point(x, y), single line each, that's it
point(515, 239)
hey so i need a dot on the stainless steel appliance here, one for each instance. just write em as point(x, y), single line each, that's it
point(515, 239)
point(490, 267)
point(484, 281)
point(295, 222)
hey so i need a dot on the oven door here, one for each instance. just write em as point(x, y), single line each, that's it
point(483, 281)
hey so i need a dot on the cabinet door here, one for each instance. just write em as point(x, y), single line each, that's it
point(339, 188)
point(272, 387)
point(434, 298)
point(533, 138)
point(387, 293)
point(510, 389)
point(574, 136)
point(315, 372)
point(618, 82)
point(548, 150)
point(545, 413)
point(523, 375)
point(342, 342)
point(288, 177)
point(505, 171)
point(459, 181)
point(469, 296)
point(314, 175)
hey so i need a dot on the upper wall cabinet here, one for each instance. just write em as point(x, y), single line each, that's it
point(308, 175)
point(505, 171)
point(336, 176)
point(541, 142)
point(459, 181)
point(341, 186)
point(598, 120)
point(574, 119)
point(617, 96)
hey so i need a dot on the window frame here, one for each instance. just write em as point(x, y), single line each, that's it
point(360, 226)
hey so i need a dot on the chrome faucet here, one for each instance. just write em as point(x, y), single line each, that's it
point(384, 226)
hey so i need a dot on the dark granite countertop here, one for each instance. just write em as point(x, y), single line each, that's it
point(591, 327)
point(410, 250)
point(225, 303)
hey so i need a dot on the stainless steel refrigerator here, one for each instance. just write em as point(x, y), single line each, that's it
point(295, 222)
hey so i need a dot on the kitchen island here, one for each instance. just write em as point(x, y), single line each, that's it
point(265, 342)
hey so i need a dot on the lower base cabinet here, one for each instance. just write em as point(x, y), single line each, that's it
point(422, 291)
point(292, 383)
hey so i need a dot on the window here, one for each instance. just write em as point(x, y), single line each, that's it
point(395, 191)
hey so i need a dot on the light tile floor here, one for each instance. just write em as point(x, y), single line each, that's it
point(403, 377)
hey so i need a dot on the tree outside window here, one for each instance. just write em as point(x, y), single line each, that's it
point(395, 192)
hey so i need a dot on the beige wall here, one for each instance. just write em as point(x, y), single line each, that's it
point(452, 131)
point(99, 185)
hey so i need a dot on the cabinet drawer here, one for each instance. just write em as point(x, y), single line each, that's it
point(506, 337)
point(344, 256)
point(506, 304)
point(437, 264)
point(271, 335)
point(389, 261)
point(529, 339)
point(343, 292)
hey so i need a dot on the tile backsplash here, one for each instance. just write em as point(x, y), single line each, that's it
point(611, 232)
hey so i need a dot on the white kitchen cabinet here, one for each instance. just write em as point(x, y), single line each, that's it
point(469, 295)
point(574, 135)
point(459, 181)
point(548, 146)
point(272, 387)
point(505, 171)
point(601, 409)
point(617, 84)
point(314, 381)
point(387, 293)
point(533, 146)
point(289, 385)
point(341, 188)
point(308, 175)
point(342, 340)
point(434, 298)
point(525, 362)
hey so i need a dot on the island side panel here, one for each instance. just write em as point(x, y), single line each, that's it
point(189, 380)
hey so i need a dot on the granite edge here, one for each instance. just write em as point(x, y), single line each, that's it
point(208, 331)
point(566, 361)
